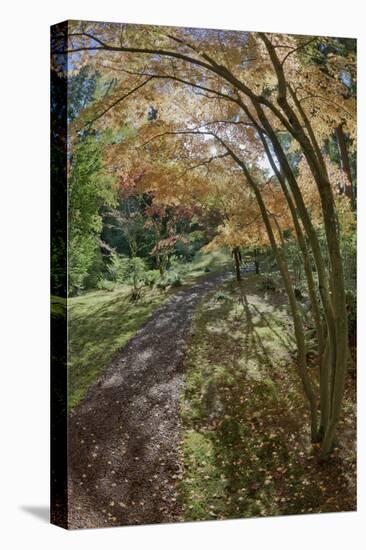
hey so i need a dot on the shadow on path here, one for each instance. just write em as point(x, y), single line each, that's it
point(124, 436)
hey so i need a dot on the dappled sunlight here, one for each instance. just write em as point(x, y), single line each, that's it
point(125, 432)
point(100, 324)
point(246, 445)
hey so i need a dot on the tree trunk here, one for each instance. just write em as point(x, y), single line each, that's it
point(324, 290)
point(298, 325)
point(324, 352)
point(317, 166)
point(236, 254)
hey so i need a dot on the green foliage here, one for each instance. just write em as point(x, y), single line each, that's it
point(128, 270)
point(175, 280)
point(89, 187)
point(100, 323)
point(220, 296)
point(83, 254)
point(151, 277)
point(162, 283)
point(135, 272)
point(267, 282)
point(88, 190)
point(125, 229)
point(170, 278)
point(106, 284)
point(117, 268)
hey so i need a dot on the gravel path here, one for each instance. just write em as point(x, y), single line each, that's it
point(124, 437)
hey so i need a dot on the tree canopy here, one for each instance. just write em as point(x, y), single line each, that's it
point(235, 124)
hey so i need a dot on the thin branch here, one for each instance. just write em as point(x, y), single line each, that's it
point(183, 81)
point(210, 64)
point(297, 49)
point(326, 100)
point(119, 100)
point(205, 162)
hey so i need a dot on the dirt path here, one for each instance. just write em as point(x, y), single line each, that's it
point(124, 436)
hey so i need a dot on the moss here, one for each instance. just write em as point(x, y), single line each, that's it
point(202, 495)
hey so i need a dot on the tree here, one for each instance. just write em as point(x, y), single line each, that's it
point(89, 188)
point(240, 99)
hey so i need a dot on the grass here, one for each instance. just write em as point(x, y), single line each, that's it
point(101, 322)
point(246, 446)
point(203, 263)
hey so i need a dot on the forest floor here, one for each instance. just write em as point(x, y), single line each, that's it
point(201, 416)
point(246, 447)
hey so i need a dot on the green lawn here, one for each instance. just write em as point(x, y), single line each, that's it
point(203, 263)
point(246, 445)
point(100, 323)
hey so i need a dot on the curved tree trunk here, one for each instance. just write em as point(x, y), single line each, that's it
point(298, 324)
point(316, 164)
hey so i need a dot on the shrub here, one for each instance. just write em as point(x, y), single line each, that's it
point(126, 270)
point(171, 278)
point(220, 296)
point(82, 253)
point(118, 268)
point(135, 271)
point(174, 279)
point(151, 277)
point(162, 284)
point(106, 284)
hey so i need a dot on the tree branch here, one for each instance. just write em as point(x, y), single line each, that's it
point(119, 100)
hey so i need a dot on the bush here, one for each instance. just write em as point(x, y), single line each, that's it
point(118, 268)
point(221, 296)
point(151, 277)
point(172, 279)
point(162, 284)
point(105, 284)
point(82, 255)
point(126, 270)
point(175, 280)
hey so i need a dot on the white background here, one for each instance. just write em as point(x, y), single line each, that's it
point(24, 257)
